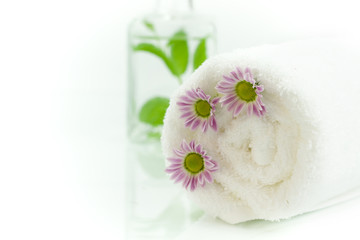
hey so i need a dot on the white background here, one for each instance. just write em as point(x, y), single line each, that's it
point(62, 102)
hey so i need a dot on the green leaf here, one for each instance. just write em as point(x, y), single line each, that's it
point(150, 48)
point(153, 111)
point(149, 25)
point(154, 135)
point(200, 54)
point(179, 51)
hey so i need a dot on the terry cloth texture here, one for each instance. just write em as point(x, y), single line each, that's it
point(302, 152)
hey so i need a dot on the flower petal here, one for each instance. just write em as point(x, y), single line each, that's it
point(194, 183)
point(213, 123)
point(187, 114)
point(192, 145)
point(202, 95)
point(225, 90)
point(179, 153)
point(208, 176)
point(180, 177)
point(260, 88)
point(201, 179)
point(191, 94)
point(175, 160)
point(238, 109)
point(228, 99)
point(185, 146)
point(186, 99)
point(189, 121)
point(198, 148)
point(239, 72)
point(235, 75)
point(248, 71)
point(175, 166)
point(195, 124)
point(170, 171)
point(215, 101)
point(215, 167)
point(205, 126)
point(178, 172)
point(229, 79)
point(175, 174)
point(232, 105)
point(188, 182)
point(186, 179)
point(256, 111)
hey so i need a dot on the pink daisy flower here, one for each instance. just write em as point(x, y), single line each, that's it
point(191, 166)
point(241, 91)
point(198, 109)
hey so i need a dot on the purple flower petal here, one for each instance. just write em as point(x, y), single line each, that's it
point(175, 160)
point(190, 180)
point(230, 99)
point(240, 73)
point(229, 79)
point(185, 146)
point(167, 170)
point(192, 145)
point(260, 88)
point(215, 101)
point(187, 106)
point(189, 121)
point(179, 153)
point(249, 79)
point(175, 174)
point(234, 74)
point(193, 184)
point(215, 167)
point(232, 105)
point(180, 177)
point(191, 94)
point(202, 95)
point(213, 123)
point(256, 111)
point(208, 176)
point(195, 124)
point(248, 71)
point(186, 99)
point(209, 164)
point(223, 89)
point(201, 179)
point(204, 126)
point(198, 148)
point(175, 166)
point(238, 109)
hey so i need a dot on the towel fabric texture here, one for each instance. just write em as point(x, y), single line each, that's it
point(304, 151)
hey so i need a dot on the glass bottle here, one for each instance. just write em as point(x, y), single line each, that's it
point(164, 48)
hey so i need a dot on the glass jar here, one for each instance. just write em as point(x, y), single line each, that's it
point(164, 48)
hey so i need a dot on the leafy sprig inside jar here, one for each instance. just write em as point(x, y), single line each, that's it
point(175, 55)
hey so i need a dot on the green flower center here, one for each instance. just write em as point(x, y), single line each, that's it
point(245, 91)
point(202, 108)
point(194, 163)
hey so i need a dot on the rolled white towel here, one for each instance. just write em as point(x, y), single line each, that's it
point(302, 150)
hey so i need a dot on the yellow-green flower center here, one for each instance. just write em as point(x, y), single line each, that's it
point(245, 91)
point(202, 108)
point(194, 163)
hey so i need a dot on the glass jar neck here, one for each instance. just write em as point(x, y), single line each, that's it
point(174, 6)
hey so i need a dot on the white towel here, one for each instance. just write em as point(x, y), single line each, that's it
point(304, 151)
